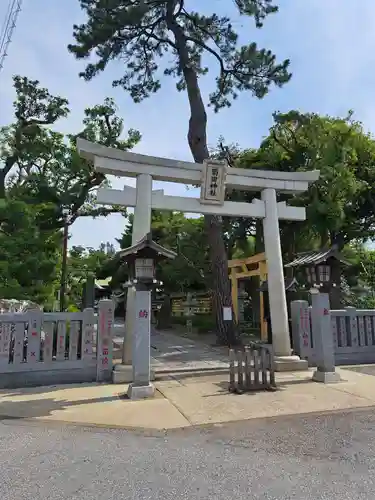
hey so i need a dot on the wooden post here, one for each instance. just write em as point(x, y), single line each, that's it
point(251, 369)
point(263, 322)
point(232, 376)
point(234, 280)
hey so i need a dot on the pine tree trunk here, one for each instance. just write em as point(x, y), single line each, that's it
point(259, 242)
point(164, 318)
point(197, 138)
point(10, 161)
point(2, 184)
point(222, 296)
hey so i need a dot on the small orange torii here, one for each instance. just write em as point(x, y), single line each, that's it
point(244, 268)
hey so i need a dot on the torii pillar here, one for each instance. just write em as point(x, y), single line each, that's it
point(123, 373)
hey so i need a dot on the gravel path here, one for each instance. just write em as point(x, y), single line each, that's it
point(327, 457)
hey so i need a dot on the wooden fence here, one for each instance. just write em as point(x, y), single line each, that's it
point(251, 369)
point(39, 348)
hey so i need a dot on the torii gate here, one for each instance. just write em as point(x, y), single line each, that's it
point(214, 177)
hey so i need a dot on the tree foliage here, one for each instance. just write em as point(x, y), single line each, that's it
point(341, 204)
point(45, 183)
point(34, 108)
point(41, 165)
point(142, 32)
point(82, 263)
point(28, 256)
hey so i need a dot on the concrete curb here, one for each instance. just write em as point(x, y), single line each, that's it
point(81, 425)
point(150, 432)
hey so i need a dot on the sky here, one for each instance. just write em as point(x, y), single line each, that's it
point(331, 45)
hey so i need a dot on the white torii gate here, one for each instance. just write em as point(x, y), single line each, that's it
point(213, 177)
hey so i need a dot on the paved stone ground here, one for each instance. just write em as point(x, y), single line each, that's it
point(366, 369)
point(174, 352)
point(171, 352)
point(314, 457)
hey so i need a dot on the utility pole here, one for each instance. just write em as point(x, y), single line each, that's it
point(7, 28)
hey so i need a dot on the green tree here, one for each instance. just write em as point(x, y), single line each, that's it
point(41, 171)
point(83, 262)
point(34, 108)
point(140, 33)
point(341, 204)
point(367, 259)
point(360, 276)
point(28, 255)
point(42, 166)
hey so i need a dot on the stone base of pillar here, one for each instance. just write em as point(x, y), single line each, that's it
point(123, 374)
point(290, 364)
point(141, 391)
point(326, 377)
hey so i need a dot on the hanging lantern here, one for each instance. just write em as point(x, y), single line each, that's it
point(318, 275)
point(324, 273)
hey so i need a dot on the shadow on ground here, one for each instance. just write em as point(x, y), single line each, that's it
point(23, 391)
point(280, 386)
point(44, 407)
point(32, 408)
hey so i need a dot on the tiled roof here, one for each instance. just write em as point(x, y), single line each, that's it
point(146, 242)
point(314, 257)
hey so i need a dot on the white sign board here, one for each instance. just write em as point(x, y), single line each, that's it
point(227, 313)
point(213, 182)
point(144, 268)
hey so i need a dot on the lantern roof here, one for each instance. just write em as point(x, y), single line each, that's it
point(147, 243)
point(316, 257)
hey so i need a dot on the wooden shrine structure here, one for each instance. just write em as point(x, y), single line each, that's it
point(245, 268)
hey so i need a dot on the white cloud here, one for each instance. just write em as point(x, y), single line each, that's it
point(330, 43)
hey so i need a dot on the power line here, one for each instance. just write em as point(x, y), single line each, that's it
point(10, 21)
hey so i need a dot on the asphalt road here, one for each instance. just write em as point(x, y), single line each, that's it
point(327, 457)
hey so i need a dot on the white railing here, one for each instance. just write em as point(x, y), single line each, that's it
point(36, 341)
point(353, 328)
point(36, 338)
point(353, 332)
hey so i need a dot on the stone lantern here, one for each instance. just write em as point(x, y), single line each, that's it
point(189, 311)
point(141, 259)
point(242, 297)
point(323, 269)
point(318, 275)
